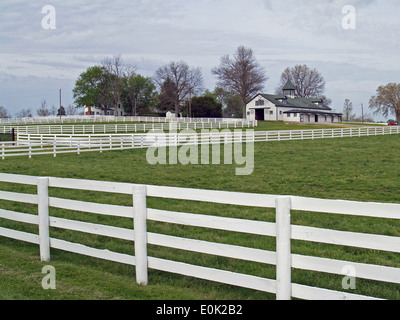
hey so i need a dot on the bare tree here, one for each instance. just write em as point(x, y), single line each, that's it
point(308, 82)
point(327, 101)
point(182, 82)
point(4, 112)
point(53, 110)
point(43, 111)
point(117, 69)
point(195, 85)
point(242, 75)
point(347, 110)
point(366, 117)
point(387, 100)
point(71, 110)
point(24, 113)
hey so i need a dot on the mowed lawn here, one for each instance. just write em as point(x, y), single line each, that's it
point(362, 169)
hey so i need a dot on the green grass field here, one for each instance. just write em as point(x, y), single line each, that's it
point(5, 137)
point(362, 169)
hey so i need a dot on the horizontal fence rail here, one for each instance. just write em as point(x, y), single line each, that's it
point(125, 128)
point(283, 230)
point(41, 144)
point(86, 119)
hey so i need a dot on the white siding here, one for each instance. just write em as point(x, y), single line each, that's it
point(268, 106)
point(273, 113)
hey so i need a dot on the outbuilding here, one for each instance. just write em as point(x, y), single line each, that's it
point(290, 108)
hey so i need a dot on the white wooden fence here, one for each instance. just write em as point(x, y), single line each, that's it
point(40, 144)
point(284, 232)
point(125, 128)
point(88, 119)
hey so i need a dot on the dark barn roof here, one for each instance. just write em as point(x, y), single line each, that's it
point(297, 102)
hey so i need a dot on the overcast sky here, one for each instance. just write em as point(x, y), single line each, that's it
point(36, 63)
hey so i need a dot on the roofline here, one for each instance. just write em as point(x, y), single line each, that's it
point(311, 111)
point(289, 86)
point(311, 99)
point(258, 94)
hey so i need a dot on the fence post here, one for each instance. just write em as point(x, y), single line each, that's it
point(140, 217)
point(43, 212)
point(54, 149)
point(283, 249)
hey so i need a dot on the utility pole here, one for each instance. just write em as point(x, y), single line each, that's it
point(190, 103)
point(362, 113)
point(60, 105)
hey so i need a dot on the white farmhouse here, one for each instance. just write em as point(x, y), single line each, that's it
point(93, 111)
point(96, 111)
point(290, 108)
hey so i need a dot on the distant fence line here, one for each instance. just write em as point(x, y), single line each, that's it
point(40, 144)
point(84, 119)
point(127, 127)
point(283, 230)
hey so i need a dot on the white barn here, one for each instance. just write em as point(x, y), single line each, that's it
point(290, 108)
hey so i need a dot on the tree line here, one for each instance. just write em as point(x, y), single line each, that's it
point(386, 102)
point(43, 110)
point(177, 87)
point(180, 88)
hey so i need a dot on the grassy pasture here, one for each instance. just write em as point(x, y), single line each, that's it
point(362, 169)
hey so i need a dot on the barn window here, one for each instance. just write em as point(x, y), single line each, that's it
point(259, 102)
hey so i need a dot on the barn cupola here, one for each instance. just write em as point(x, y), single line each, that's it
point(289, 89)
